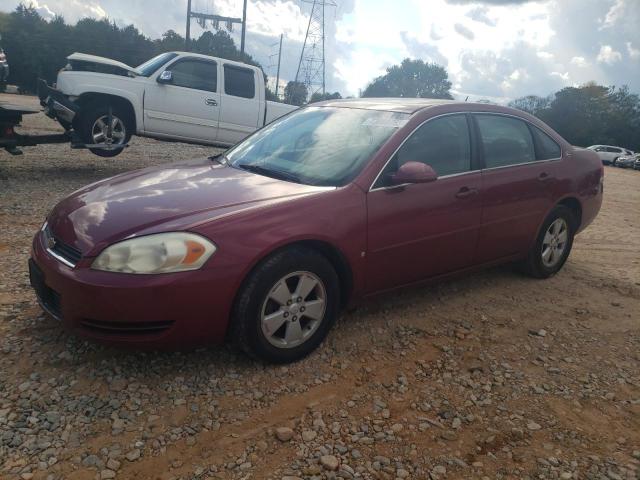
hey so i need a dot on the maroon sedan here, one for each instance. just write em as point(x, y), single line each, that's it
point(332, 203)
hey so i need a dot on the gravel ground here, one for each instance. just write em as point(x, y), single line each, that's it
point(491, 376)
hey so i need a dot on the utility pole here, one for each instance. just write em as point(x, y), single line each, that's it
point(187, 38)
point(205, 19)
point(279, 58)
point(311, 68)
point(244, 26)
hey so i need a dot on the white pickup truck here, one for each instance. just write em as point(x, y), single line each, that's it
point(177, 96)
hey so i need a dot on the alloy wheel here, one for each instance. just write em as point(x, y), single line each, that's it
point(555, 242)
point(293, 310)
point(102, 133)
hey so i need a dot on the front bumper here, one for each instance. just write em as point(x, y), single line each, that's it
point(56, 104)
point(168, 312)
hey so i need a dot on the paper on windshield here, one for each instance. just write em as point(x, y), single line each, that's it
point(387, 120)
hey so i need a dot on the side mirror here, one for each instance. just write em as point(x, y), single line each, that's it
point(414, 172)
point(165, 77)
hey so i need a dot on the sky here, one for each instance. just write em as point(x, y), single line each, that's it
point(493, 49)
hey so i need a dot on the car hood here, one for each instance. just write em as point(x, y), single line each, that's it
point(84, 57)
point(165, 198)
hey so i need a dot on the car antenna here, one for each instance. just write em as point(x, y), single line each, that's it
point(466, 99)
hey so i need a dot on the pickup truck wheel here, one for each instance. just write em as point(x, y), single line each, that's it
point(106, 125)
point(286, 306)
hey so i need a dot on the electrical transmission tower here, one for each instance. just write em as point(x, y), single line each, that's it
point(311, 69)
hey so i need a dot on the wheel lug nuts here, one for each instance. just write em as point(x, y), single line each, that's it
point(286, 314)
point(299, 299)
point(302, 309)
point(294, 318)
point(289, 302)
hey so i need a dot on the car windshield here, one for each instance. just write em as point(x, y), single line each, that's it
point(325, 146)
point(150, 66)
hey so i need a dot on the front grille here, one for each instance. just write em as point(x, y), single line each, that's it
point(64, 250)
point(125, 328)
point(48, 297)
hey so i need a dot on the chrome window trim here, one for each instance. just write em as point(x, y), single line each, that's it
point(371, 189)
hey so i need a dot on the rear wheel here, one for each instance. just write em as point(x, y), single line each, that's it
point(287, 306)
point(615, 162)
point(553, 245)
point(106, 125)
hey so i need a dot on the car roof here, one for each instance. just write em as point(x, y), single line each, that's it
point(401, 105)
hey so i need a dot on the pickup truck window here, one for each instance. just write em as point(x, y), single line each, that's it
point(239, 82)
point(150, 66)
point(195, 73)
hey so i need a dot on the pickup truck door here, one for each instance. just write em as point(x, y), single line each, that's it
point(242, 109)
point(189, 106)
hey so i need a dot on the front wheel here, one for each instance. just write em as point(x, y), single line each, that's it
point(287, 306)
point(106, 125)
point(553, 244)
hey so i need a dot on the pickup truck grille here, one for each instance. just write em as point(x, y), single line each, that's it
point(59, 249)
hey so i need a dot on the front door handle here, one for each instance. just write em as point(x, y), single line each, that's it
point(466, 192)
point(211, 102)
point(544, 177)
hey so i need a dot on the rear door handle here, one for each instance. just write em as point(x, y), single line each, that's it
point(466, 192)
point(544, 177)
point(211, 102)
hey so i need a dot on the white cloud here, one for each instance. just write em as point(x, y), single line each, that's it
point(608, 55)
point(545, 55)
point(562, 76)
point(580, 62)
point(615, 13)
point(634, 53)
point(73, 10)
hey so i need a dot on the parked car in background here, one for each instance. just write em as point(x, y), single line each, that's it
point(336, 202)
point(609, 154)
point(176, 96)
point(4, 70)
point(636, 165)
point(627, 161)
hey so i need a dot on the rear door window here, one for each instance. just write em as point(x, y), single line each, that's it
point(505, 141)
point(239, 82)
point(546, 147)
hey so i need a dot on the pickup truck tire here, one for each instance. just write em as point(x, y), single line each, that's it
point(94, 128)
point(286, 306)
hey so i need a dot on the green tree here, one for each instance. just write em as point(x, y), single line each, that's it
point(36, 48)
point(531, 104)
point(413, 79)
point(589, 115)
point(295, 93)
point(319, 97)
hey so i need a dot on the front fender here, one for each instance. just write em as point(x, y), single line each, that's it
point(83, 84)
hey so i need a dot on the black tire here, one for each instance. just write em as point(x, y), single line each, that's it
point(615, 162)
point(90, 115)
point(246, 327)
point(534, 264)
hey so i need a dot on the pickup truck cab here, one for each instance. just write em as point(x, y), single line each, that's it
point(177, 96)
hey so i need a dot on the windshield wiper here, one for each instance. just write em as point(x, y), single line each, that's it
point(221, 158)
point(279, 174)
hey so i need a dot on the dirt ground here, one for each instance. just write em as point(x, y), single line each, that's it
point(493, 375)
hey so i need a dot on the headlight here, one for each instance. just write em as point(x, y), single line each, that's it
point(160, 253)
